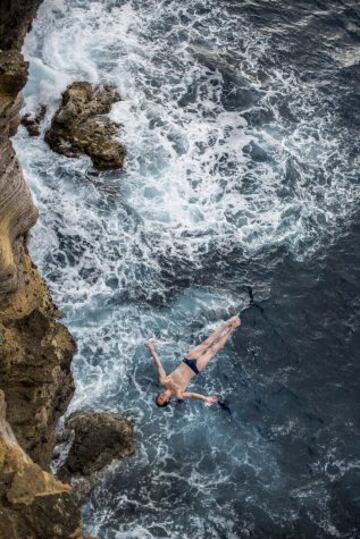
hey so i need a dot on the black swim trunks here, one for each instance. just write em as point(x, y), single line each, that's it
point(192, 364)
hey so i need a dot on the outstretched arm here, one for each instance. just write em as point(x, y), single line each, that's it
point(198, 396)
point(160, 369)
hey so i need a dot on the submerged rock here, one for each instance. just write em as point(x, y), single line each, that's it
point(79, 126)
point(32, 122)
point(98, 439)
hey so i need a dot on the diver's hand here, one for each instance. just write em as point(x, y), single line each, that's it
point(150, 344)
point(211, 400)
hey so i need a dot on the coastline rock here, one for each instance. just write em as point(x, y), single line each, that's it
point(98, 439)
point(79, 127)
point(32, 122)
point(16, 17)
point(33, 504)
point(35, 359)
point(17, 210)
point(35, 350)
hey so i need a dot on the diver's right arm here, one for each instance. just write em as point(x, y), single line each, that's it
point(156, 359)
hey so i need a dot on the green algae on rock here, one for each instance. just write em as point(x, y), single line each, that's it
point(80, 127)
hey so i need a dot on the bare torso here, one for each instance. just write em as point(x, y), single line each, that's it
point(178, 380)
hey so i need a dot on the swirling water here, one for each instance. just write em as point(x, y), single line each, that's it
point(241, 181)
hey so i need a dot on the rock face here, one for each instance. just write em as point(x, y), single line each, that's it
point(79, 126)
point(16, 17)
point(35, 357)
point(98, 439)
point(33, 504)
point(17, 211)
point(35, 350)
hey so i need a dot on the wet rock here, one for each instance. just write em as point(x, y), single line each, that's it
point(32, 122)
point(35, 373)
point(35, 350)
point(80, 127)
point(98, 439)
point(13, 73)
point(15, 21)
point(256, 152)
point(17, 211)
point(33, 503)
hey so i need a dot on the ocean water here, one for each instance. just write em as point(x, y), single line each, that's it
point(240, 193)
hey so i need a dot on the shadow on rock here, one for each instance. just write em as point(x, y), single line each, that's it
point(96, 439)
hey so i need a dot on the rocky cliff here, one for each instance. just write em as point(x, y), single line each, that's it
point(35, 349)
point(33, 504)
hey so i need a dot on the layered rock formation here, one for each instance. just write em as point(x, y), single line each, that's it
point(79, 126)
point(33, 504)
point(35, 350)
point(17, 211)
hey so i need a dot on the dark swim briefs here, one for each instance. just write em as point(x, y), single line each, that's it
point(192, 364)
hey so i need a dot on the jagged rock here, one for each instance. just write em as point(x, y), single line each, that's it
point(79, 127)
point(98, 439)
point(32, 122)
point(33, 504)
point(35, 358)
point(15, 21)
point(35, 350)
point(17, 210)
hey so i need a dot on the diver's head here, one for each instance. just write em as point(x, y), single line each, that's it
point(163, 399)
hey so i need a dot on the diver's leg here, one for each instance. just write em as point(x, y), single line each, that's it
point(205, 345)
point(204, 359)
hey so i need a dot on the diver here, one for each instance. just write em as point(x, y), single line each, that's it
point(194, 362)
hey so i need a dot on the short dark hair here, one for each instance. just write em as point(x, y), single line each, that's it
point(158, 404)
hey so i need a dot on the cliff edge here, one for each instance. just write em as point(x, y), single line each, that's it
point(35, 349)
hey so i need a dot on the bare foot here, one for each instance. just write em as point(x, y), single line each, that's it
point(235, 321)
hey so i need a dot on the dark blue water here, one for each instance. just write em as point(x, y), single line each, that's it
point(240, 193)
